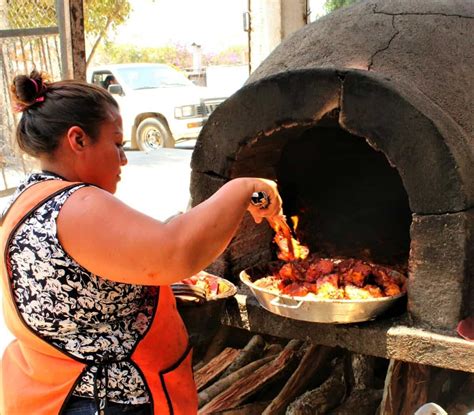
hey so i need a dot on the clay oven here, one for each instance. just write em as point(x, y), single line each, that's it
point(365, 118)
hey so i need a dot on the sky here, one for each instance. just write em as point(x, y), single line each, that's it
point(213, 24)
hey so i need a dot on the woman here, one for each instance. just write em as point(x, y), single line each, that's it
point(86, 282)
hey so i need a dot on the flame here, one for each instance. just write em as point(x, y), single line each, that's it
point(290, 248)
point(295, 219)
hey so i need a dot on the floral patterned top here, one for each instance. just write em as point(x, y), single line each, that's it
point(95, 320)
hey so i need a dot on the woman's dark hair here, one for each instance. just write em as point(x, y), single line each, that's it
point(51, 108)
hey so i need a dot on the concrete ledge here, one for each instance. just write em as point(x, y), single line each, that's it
point(390, 338)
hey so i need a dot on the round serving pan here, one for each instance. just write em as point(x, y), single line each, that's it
point(201, 315)
point(321, 311)
point(192, 294)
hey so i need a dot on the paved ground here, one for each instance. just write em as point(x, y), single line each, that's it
point(154, 183)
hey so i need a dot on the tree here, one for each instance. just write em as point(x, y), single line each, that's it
point(331, 5)
point(100, 17)
point(233, 55)
point(176, 55)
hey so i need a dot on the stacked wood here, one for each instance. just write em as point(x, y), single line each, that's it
point(215, 367)
point(253, 350)
point(406, 388)
point(198, 366)
point(361, 391)
point(313, 360)
point(245, 387)
point(217, 343)
point(324, 398)
point(222, 384)
point(272, 349)
point(463, 401)
point(362, 371)
point(365, 401)
point(306, 379)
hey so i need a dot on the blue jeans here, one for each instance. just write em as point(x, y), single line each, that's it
point(84, 406)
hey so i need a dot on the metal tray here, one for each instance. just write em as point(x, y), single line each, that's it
point(195, 295)
point(321, 311)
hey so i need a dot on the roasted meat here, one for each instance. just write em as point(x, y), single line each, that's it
point(304, 274)
point(333, 279)
point(319, 268)
point(290, 248)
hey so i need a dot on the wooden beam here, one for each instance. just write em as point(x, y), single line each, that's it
point(71, 29)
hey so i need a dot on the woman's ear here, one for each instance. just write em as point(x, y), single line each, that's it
point(77, 138)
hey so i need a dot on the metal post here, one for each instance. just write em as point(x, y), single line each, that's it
point(60, 15)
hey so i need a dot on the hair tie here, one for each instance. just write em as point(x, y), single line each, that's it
point(35, 84)
point(37, 88)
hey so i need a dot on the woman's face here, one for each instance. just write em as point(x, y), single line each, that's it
point(105, 157)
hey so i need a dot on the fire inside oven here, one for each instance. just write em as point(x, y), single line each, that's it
point(349, 200)
point(350, 208)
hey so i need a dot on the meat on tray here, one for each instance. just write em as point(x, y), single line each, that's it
point(350, 279)
point(211, 284)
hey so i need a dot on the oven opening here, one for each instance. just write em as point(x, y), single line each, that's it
point(350, 201)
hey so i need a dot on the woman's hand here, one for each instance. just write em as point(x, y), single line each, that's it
point(274, 207)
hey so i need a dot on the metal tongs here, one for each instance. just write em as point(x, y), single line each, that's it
point(189, 292)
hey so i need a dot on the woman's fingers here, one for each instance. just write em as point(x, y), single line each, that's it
point(256, 216)
point(274, 205)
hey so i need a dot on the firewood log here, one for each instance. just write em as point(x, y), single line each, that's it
point(252, 351)
point(406, 388)
point(217, 387)
point(215, 367)
point(324, 398)
point(245, 387)
point(463, 400)
point(360, 402)
point(198, 366)
point(217, 344)
point(272, 349)
point(362, 371)
point(311, 363)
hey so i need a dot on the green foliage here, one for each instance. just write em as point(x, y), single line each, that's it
point(233, 55)
point(27, 14)
point(331, 5)
point(176, 55)
point(100, 15)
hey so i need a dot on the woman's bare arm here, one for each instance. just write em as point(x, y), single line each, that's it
point(114, 241)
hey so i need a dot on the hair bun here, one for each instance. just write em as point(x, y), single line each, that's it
point(28, 90)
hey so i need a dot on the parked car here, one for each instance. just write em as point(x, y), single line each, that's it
point(159, 105)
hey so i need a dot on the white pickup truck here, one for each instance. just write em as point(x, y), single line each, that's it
point(159, 105)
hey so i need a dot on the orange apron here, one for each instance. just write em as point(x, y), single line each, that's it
point(37, 377)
